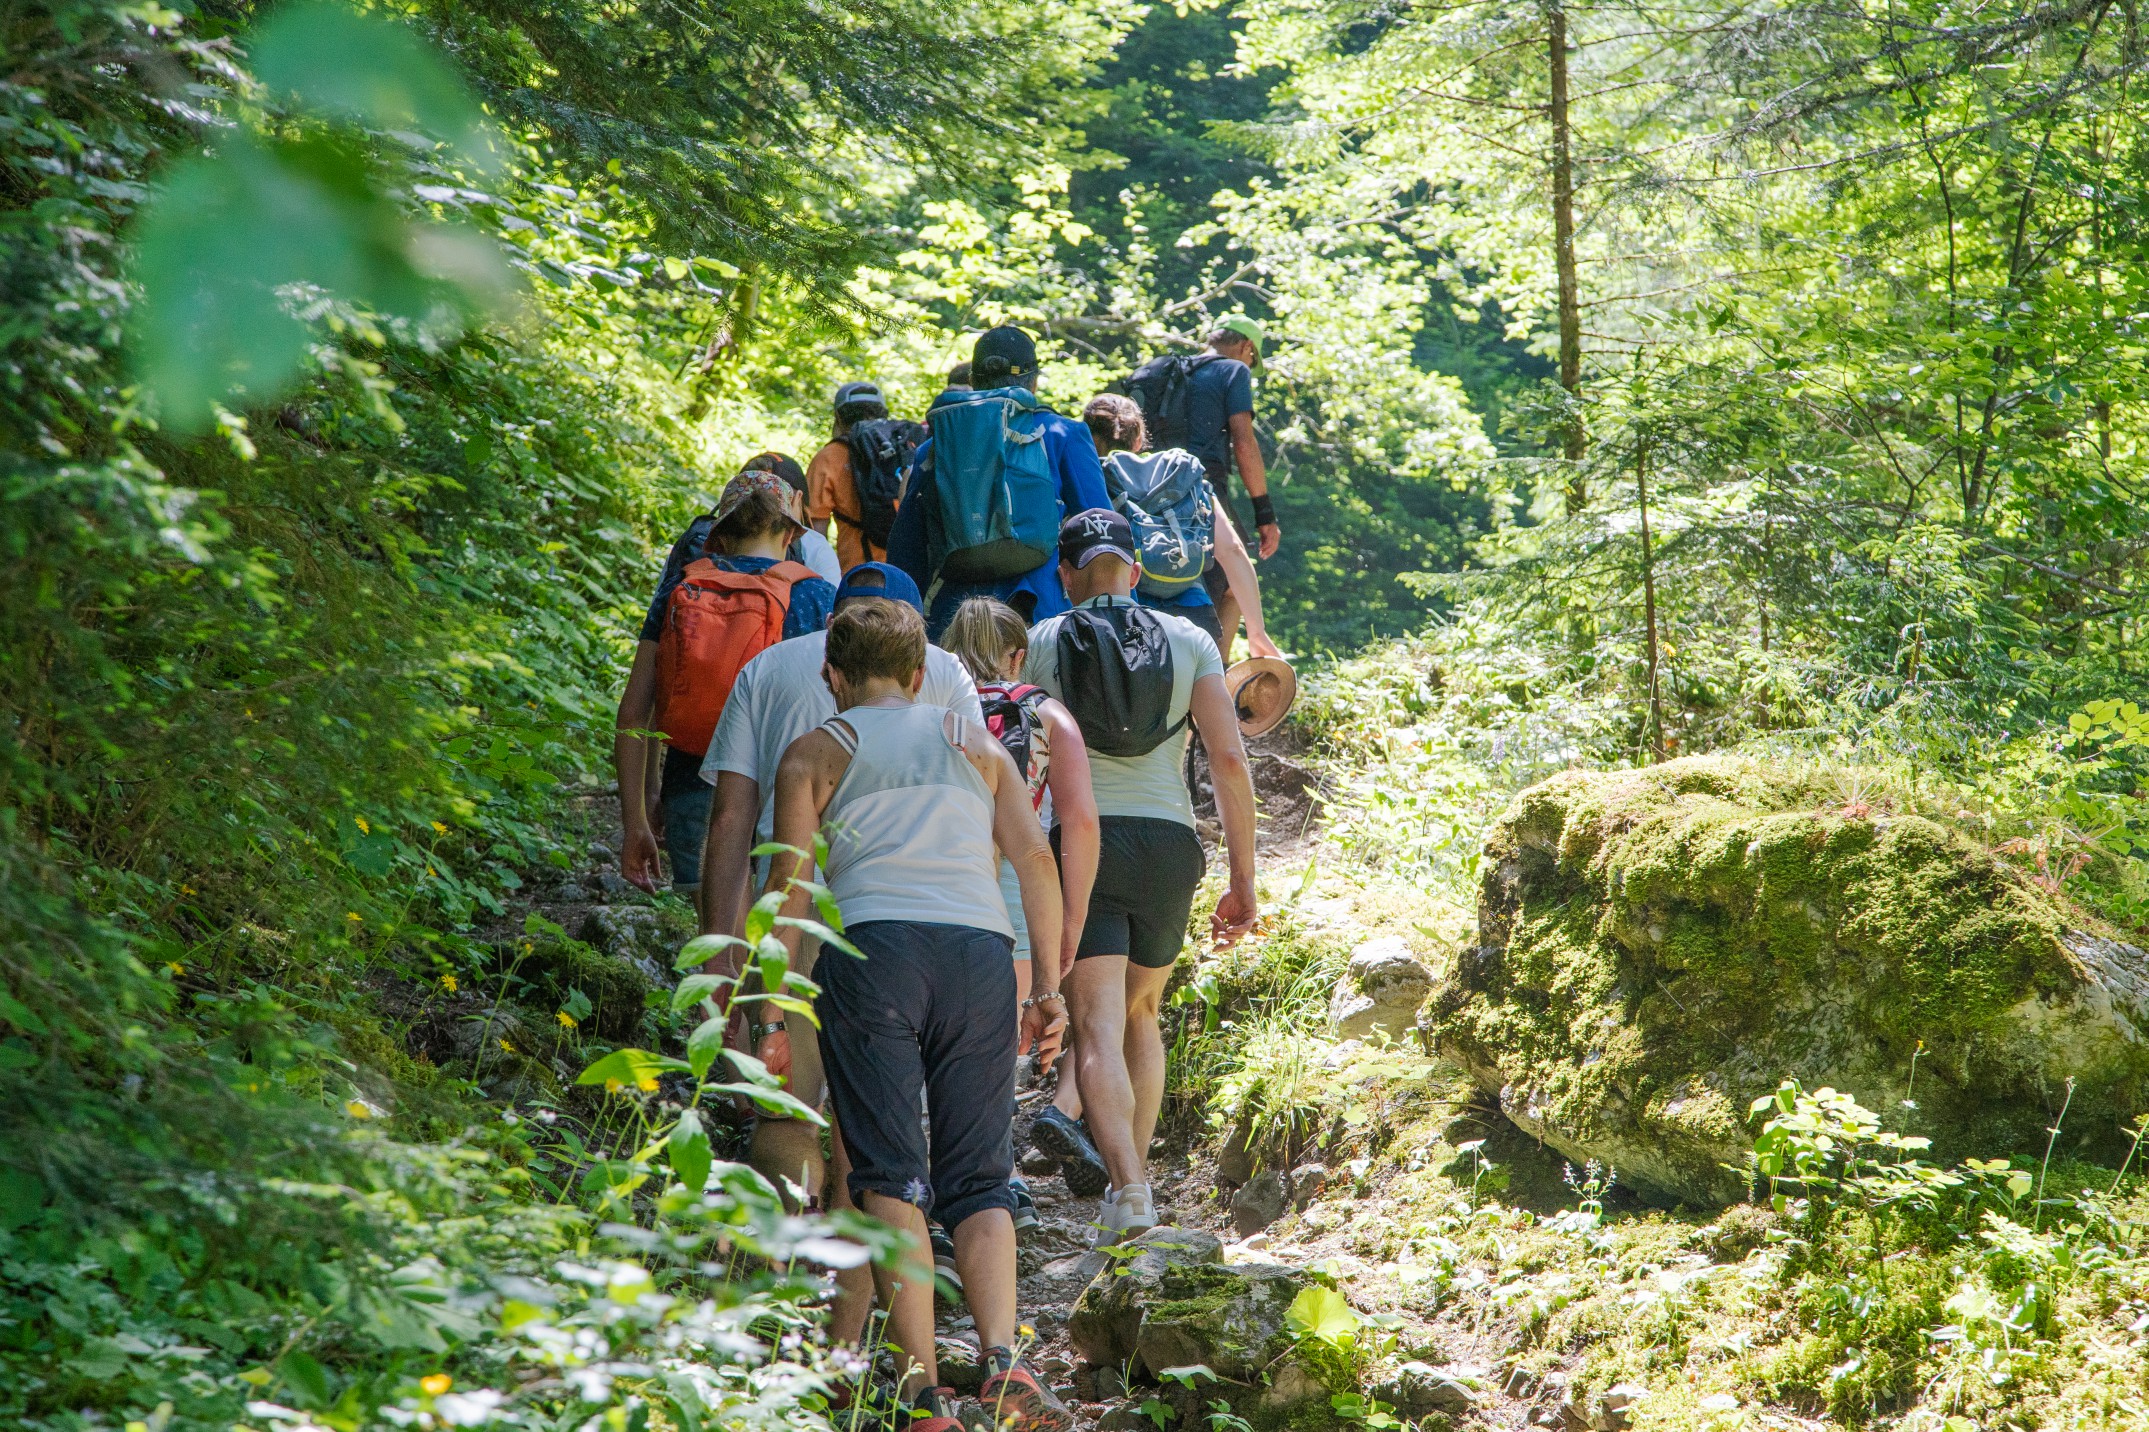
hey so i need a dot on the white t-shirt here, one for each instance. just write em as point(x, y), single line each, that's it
point(1150, 786)
point(780, 696)
point(813, 550)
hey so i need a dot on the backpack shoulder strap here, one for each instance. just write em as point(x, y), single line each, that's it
point(790, 573)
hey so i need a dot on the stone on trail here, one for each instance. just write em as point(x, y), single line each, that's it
point(1175, 1304)
point(1261, 1201)
point(1417, 1389)
point(1381, 992)
point(1661, 947)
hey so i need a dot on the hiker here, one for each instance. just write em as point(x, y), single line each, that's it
point(779, 697)
point(1132, 678)
point(959, 378)
point(1204, 403)
point(1168, 500)
point(991, 640)
point(990, 486)
point(913, 800)
point(857, 475)
point(706, 621)
point(811, 548)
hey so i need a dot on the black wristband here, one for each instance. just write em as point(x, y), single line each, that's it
point(1264, 511)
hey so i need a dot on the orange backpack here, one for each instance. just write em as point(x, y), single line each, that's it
point(714, 623)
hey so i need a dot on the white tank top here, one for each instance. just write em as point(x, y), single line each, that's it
point(909, 826)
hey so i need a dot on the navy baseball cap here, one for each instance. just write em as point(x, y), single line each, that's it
point(859, 392)
point(879, 579)
point(1010, 345)
point(1088, 535)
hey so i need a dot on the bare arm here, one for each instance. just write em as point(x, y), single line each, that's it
point(803, 786)
point(1245, 586)
point(630, 767)
point(1246, 452)
point(726, 861)
point(1218, 721)
point(1074, 806)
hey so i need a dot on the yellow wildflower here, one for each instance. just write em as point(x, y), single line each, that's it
point(175, 967)
point(354, 917)
point(438, 1383)
point(430, 871)
point(567, 1021)
point(507, 1046)
point(359, 1109)
point(439, 828)
point(613, 1086)
point(448, 983)
point(645, 1083)
point(363, 828)
point(185, 889)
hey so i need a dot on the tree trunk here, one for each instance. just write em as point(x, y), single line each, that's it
point(1649, 598)
point(1570, 295)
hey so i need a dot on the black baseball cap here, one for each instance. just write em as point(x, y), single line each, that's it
point(1010, 345)
point(858, 392)
point(1087, 535)
point(783, 465)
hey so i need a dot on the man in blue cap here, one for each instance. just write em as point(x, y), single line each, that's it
point(1003, 371)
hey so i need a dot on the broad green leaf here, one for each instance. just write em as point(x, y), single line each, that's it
point(775, 1101)
point(1320, 1314)
point(689, 1151)
point(704, 948)
point(752, 1069)
point(20, 1015)
point(636, 1067)
point(696, 988)
point(703, 1046)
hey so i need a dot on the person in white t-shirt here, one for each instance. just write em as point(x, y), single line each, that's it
point(780, 696)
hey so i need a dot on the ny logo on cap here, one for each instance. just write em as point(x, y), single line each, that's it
point(1097, 523)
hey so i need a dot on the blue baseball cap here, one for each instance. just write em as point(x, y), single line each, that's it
point(878, 579)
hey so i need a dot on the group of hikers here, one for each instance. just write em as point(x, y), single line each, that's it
point(979, 696)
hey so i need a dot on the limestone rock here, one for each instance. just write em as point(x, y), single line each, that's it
point(1175, 1304)
point(1417, 1389)
point(1381, 992)
point(1307, 1181)
point(1107, 1316)
point(1259, 1203)
point(1659, 947)
point(623, 930)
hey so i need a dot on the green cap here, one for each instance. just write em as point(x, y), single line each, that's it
point(1248, 328)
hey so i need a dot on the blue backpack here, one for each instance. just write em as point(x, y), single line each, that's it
point(994, 510)
point(1165, 497)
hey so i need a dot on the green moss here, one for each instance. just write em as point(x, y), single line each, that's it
point(1661, 946)
point(617, 991)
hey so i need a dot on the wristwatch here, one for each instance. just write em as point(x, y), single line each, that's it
point(762, 1031)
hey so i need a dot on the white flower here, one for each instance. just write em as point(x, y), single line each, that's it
point(468, 1409)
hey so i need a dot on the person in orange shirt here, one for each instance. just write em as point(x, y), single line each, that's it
point(858, 473)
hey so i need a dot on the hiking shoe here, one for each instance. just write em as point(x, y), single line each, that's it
point(1066, 1140)
point(930, 1412)
point(944, 1257)
point(1125, 1213)
point(1015, 1396)
point(1025, 1206)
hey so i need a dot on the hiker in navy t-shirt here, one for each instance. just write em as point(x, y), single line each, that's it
point(1002, 358)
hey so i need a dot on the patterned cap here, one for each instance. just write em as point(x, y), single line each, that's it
point(749, 482)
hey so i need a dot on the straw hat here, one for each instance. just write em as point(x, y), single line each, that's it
point(1262, 688)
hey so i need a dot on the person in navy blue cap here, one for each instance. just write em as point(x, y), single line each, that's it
point(1003, 365)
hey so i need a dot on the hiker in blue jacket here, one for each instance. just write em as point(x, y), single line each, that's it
point(1066, 477)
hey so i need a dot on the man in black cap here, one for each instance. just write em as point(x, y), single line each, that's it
point(1133, 678)
point(832, 488)
point(1003, 372)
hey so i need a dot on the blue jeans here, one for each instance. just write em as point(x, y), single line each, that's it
point(685, 798)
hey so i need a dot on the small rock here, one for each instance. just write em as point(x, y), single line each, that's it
point(960, 1367)
point(1382, 991)
point(1234, 1161)
point(1419, 1388)
point(623, 930)
point(1259, 1203)
point(1106, 1318)
point(571, 893)
point(1109, 1383)
point(1307, 1181)
point(1125, 1417)
point(1038, 1162)
point(614, 885)
point(1613, 1411)
point(601, 853)
point(1292, 1385)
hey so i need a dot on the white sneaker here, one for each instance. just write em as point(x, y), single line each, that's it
point(1123, 1214)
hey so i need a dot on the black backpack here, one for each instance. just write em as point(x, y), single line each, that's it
point(1116, 678)
point(1159, 389)
point(881, 450)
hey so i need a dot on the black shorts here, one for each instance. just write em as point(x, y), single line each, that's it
point(1147, 871)
point(931, 1007)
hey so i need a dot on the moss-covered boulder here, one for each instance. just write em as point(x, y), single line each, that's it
point(1660, 947)
point(1175, 1304)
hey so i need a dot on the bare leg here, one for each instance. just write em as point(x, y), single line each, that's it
point(907, 1293)
point(854, 1286)
point(788, 1151)
point(1097, 996)
point(1144, 1045)
point(1227, 621)
point(985, 1257)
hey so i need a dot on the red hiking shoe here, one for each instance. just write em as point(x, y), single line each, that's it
point(1015, 1396)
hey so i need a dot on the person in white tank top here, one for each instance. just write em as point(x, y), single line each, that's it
point(911, 801)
